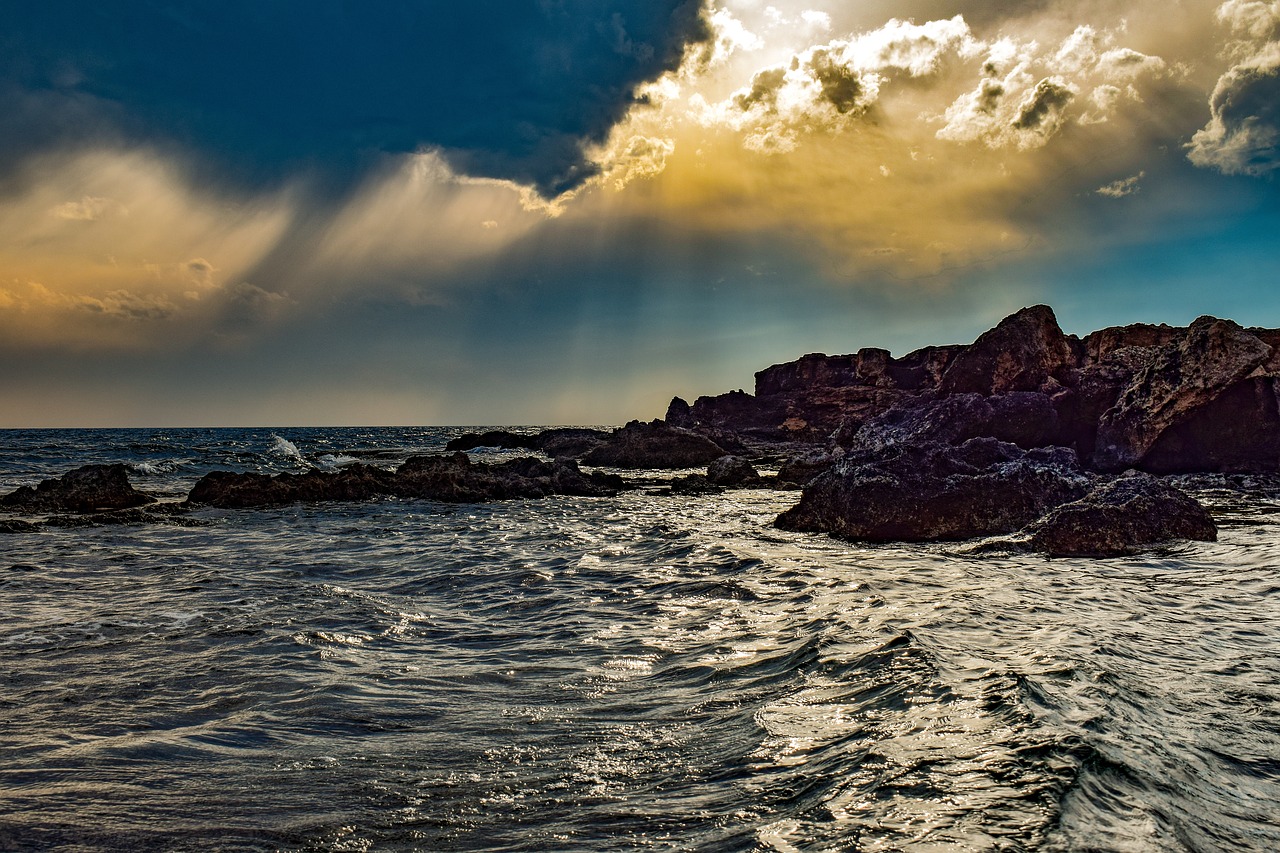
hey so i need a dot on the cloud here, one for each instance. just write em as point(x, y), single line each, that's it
point(255, 93)
point(1026, 95)
point(1122, 187)
point(1242, 136)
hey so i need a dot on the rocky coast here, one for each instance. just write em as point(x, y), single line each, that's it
point(1027, 438)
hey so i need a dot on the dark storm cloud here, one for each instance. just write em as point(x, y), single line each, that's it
point(258, 90)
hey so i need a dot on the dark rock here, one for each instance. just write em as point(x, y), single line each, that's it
point(980, 488)
point(86, 489)
point(1022, 353)
point(558, 441)
point(1122, 517)
point(15, 525)
point(1098, 345)
point(694, 484)
point(922, 369)
point(457, 479)
point(568, 441)
point(732, 471)
point(493, 438)
point(801, 470)
point(230, 490)
point(679, 414)
point(1184, 376)
point(1023, 418)
point(454, 478)
point(654, 445)
point(1238, 431)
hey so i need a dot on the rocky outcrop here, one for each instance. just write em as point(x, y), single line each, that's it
point(89, 488)
point(1023, 353)
point(654, 445)
point(1122, 517)
point(230, 490)
point(1184, 376)
point(1155, 397)
point(982, 487)
point(454, 478)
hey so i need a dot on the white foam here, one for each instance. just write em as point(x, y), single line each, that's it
point(285, 447)
point(329, 462)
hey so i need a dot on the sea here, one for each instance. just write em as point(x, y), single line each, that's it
point(640, 672)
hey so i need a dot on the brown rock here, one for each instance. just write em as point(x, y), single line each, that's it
point(1020, 354)
point(1184, 376)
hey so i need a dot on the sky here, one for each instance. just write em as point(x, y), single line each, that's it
point(568, 211)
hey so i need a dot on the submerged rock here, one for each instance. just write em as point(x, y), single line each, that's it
point(654, 445)
point(1121, 517)
point(89, 488)
point(982, 487)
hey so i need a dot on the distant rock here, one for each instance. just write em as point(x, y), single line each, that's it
point(230, 490)
point(89, 488)
point(654, 445)
point(14, 525)
point(1122, 517)
point(459, 480)
point(1185, 375)
point(693, 484)
point(555, 442)
point(454, 478)
point(732, 471)
point(982, 487)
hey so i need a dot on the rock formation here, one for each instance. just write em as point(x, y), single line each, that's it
point(89, 488)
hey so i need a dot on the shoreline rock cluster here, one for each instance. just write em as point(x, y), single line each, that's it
point(1057, 440)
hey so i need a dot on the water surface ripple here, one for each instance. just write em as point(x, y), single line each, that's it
point(630, 673)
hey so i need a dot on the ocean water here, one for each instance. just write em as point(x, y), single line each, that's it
point(630, 673)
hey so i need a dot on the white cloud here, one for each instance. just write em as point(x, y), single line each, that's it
point(1242, 136)
point(1122, 187)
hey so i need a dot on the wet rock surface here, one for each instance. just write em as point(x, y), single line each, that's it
point(1121, 517)
point(89, 488)
point(979, 488)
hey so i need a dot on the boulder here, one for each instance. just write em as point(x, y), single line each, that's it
point(654, 445)
point(1022, 353)
point(1122, 517)
point(89, 488)
point(982, 487)
point(732, 471)
point(1184, 376)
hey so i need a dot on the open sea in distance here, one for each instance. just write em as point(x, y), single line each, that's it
point(613, 674)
